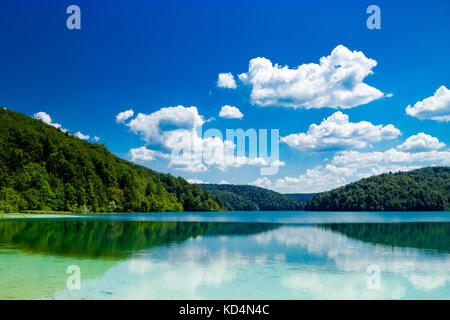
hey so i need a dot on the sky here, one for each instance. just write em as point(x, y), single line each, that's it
point(148, 78)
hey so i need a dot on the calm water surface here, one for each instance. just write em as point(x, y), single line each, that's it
point(235, 255)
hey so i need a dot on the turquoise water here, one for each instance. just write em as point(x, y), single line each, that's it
point(234, 255)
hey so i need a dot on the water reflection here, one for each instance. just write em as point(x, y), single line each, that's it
point(112, 239)
point(203, 260)
point(430, 235)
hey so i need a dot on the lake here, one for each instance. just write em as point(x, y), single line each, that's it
point(226, 255)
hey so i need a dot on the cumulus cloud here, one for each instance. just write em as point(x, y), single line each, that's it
point(230, 112)
point(393, 160)
point(436, 107)
point(45, 117)
point(317, 179)
point(97, 139)
point(81, 136)
point(392, 156)
point(421, 142)
point(278, 163)
point(263, 182)
point(336, 132)
point(143, 154)
point(336, 82)
point(161, 127)
point(175, 133)
point(226, 80)
point(196, 181)
point(122, 116)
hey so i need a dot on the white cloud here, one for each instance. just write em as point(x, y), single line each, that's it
point(383, 168)
point(278, 163)
point(368, 164)
point(97, 139)
point(176, 131)
point(161, 127)
point(45, 117)
point(196, 181)
point(243, 77)
point(226, 80)
point(122, 116)
point(230, 112)
point(356, 159)
point(350, 166)
point(81, 136)
point(436, 107)
point(144, 154)
point(224, 182)
point(336, 132)
point(263, 182)
point(317, 179)
point(421, 142)
point(337, 81)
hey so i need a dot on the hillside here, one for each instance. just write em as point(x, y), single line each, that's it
point(251, 198)
point(43, 168)
point(425, 189)
point(302, 197)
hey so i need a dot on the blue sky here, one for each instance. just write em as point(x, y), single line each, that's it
point(147, 56)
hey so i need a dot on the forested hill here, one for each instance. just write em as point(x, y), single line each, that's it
point(43, 168)
point(425, 189)
point(251, 198)
point(302, 197)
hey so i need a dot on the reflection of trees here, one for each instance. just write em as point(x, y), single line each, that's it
point(420, 235)
point(112, 239)
point(240, 228)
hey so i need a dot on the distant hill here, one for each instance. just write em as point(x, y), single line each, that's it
point(251, 198)
point(302, 197)
point(426, 189)
point(43, 168)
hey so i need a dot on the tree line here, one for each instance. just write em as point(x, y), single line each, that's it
point(252, 198)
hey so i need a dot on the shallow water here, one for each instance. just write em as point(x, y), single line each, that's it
point(234, 255)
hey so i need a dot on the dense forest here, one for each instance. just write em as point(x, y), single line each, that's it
point(302, 197)
point(43, 168)
point(426, 189)
point(251, 198)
